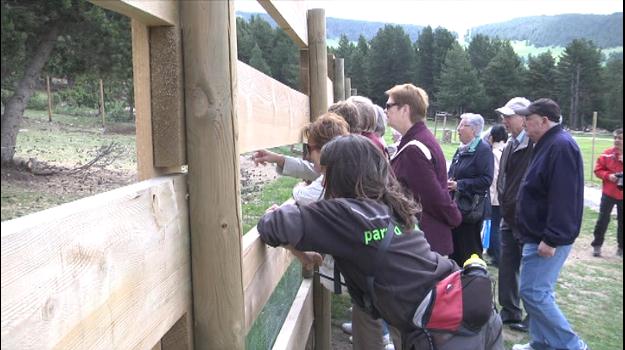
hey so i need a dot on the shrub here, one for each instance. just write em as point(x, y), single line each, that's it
point(38, 101)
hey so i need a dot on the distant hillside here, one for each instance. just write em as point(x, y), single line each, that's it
point(352, 28)
point(604, 30)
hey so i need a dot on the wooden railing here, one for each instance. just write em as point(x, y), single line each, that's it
point(156, 264)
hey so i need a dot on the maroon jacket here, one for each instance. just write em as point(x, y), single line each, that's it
point(427, 181)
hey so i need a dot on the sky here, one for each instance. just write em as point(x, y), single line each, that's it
point(455, 15)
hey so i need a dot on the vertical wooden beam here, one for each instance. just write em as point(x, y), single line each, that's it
point(209, 44)
point(348, 88)
point(102, 103)
point(339, 79)
point(304, 73)
point(318, 55)
point(331, 60)
point(49, 98)
point(318, 62)
point(354, 92)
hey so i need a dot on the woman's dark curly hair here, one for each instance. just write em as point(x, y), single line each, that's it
point(356, 168)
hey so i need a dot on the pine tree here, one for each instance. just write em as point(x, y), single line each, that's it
point(613, 83)
point(460, 90)
point(579, 82)
point(502, 77)
point(424, 48)
point(359, 72)
point(540, 78)
point(391, 60)
point(482, 49)
point(257, 61)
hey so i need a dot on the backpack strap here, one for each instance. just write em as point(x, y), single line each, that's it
point(420, 145)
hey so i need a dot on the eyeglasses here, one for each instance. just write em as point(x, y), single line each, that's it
point(391, 105)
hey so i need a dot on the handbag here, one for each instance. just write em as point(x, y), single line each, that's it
point(471, 206)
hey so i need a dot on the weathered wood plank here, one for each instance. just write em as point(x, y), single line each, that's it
point(73, 280)
point(263, 267)
point(297, 326)
point(291, 17)
point(168, 126)
point(209, 44)
point(270, 113)
point(150, 13)
point(143, 105)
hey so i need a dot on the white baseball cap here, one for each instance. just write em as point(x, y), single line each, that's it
point(514, 105)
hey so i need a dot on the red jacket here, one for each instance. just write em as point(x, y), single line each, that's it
point(607, 164)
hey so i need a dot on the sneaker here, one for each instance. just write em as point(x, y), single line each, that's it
point(351, 339)
point(347, 327)
point(527, 346)
point(596, 251)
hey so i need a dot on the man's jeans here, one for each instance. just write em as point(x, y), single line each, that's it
point(549, 329)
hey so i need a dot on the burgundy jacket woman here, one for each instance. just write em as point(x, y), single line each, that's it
point(427, 181)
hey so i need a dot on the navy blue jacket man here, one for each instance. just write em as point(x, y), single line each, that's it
point(549, 215)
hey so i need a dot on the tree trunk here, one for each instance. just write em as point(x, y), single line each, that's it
point(14, 109)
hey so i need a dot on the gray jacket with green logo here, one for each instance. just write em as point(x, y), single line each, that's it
point(351, 230)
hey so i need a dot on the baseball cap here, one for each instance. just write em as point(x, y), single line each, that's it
point(513, 105)
point(545, 107)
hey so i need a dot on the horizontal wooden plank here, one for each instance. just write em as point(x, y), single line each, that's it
point(291, 17)
point(270, 113)
point(263, 267)
point(150, 12)
point(296, 328)
point(110, 271)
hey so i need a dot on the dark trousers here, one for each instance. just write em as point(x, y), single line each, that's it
point(509, 266)
point(605, 210)
point(494, 249)
point(467, 241)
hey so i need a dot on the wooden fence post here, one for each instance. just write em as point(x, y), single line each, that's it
point(339, 79)
point(348, 88)
point(318, 69)
point(435, 125)
point(594, 133)
point(209, 47)
point(102, 102)
point(354, 92)
point(49, 98)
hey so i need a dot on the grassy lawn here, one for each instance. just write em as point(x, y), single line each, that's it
point(69, 140)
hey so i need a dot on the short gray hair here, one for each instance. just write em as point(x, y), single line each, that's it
point(475, 121)
point(366, 112)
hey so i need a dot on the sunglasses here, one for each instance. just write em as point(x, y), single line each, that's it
point(391, 105)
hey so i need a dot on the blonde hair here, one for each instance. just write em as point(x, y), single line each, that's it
point(415, 97)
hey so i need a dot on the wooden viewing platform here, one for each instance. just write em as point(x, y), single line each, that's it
point(163, 264)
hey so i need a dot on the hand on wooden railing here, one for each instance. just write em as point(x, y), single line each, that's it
point(308, 259)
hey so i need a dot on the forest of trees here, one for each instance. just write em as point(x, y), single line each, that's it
point(604, 30)
point(81, 43)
